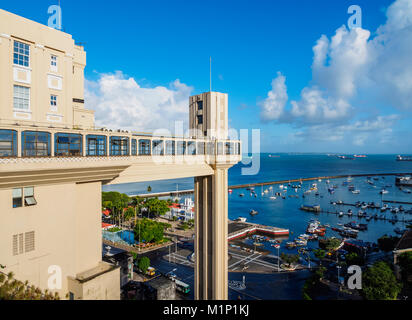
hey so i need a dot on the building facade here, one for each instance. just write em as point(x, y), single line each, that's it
point(53, 162)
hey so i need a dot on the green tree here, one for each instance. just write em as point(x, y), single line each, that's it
point(319, 254)
point(379, 282)
point(12, 289)
point(129, 213)
point(289, 258)
point(156, 207)
point(149, 231)
point(143, 264)
point(353, 258)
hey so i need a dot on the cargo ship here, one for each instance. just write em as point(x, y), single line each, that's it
point(400, 158)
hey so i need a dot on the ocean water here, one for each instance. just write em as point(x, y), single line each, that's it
point(285, 213)
point(282, 167)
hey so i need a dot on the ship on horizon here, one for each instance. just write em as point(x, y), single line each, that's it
point(401, 158)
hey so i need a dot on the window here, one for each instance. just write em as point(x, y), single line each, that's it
point(181, 147)
point(21, 98)
point(238, 148)
point(200, 148)
point(210, 148)
point(229, 148)
point(170, 147)
point(8, 143)
point(23, 242)
point(158, 149)
point(200, 105)
point(17, 198)
point(29, 241)
point(53, 63)
point(119, 146)
point(53, 102)
point(144, 147)
point(96, 145)
point(29, 197)
point(220, 148)
point(68, 144)
point(191, 148)
point(23, 197)
point(134, 147)
point(200, 119)
point(18, 244)
point(21, 54)
point(35, 144)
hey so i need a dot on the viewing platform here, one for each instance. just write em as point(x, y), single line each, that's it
point(80, 155)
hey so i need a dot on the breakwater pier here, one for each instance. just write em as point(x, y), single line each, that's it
point(268, 183)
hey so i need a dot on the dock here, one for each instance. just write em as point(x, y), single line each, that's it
point(238, 230)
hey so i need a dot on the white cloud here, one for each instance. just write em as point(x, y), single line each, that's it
point(120, 102)
point(374, 130)
point(272, 107)
point(348, 68)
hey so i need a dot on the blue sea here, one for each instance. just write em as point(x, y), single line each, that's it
point(285, 213)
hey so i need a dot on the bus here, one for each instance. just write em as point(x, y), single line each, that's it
point(182, 287)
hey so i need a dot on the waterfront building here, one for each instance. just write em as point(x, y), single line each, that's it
point(184, 211)
point(404, 245)
point(53, 162)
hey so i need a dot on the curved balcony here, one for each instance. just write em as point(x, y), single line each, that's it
point(107, 156)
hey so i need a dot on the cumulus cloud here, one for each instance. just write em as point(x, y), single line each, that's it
point(373, 130)
point(120, 102)
point(273, 106)
point(349, 65)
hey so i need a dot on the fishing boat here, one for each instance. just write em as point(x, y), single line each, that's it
point(290, 245)
point(383, 191)
point(253, 212)
point(272, 197)
point(301, 242)
point(350, 213)
point(356, 191)
point(340, 214)
point(241, 195)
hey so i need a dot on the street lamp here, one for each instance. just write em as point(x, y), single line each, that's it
point(278, 247)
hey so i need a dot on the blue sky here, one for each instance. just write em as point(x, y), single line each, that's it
point(145, 46)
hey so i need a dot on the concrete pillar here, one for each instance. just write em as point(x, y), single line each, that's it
point(211, 248)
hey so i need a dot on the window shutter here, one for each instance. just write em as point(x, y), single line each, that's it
point(29, 241)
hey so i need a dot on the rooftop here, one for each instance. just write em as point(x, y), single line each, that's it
point(406, 241)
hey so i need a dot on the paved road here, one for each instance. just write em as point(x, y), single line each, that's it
point(273, 286)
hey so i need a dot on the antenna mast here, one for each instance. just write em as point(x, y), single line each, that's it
point(210, 77)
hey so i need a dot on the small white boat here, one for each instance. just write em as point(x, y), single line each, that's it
point(272, 198)
point(356, 191)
